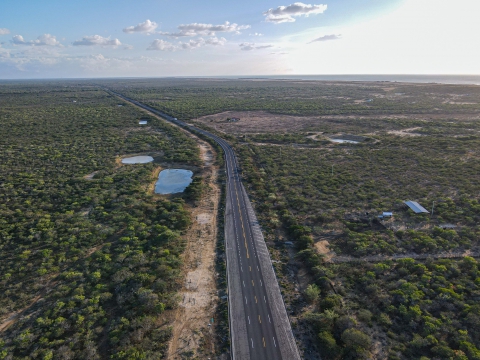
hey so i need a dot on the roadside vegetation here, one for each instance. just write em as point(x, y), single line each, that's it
point(89, 261)
point(420, 142)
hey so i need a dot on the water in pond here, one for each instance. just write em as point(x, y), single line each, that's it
point(143, 122)
point(137, 160)
point(173, 181)
point(344, 141)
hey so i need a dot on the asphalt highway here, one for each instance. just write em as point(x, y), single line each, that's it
point(259, 324)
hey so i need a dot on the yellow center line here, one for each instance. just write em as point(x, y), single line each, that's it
point(241, 222)
point(256, 301)
point(250, 268)
point(253, 283)
point(260, 320)
point(264, 345)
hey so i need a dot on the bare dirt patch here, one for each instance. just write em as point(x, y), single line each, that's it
point(151, 186)
point(193, 333)
point(13, 317)
point(405, 132)
point(90, 176)
point(192, 336)
point(322, 248)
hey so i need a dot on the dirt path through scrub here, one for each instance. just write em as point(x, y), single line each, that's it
point(193, 334)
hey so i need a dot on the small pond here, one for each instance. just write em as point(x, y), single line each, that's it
point(173, 181)
point(344, 141)
point(143, 122)
point(137, 160)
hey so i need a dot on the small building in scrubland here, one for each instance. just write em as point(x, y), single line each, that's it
point(386, 215)
point(416, 207)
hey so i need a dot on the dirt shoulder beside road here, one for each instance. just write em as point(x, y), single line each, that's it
point(193, 333)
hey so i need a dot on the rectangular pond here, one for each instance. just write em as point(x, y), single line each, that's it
point(137, 160)
point(172, 181)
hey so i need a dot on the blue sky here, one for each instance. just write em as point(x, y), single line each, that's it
point(102, 38)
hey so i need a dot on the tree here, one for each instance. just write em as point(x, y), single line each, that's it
point(311, 293)
point(329, 345)
point(356, 340)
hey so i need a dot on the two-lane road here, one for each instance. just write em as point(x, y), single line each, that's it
point(259, 324)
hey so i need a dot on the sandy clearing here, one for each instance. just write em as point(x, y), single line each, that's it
point(199, 298)
point(322, 248)
point(190, 327)
point(405, 132)
point(90, 176)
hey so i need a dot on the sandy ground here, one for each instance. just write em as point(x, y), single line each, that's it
point(405, 132)
point(192, 330)
point(322, 248)
point(90, 176)
point(262, 122)
point(192, 333)
point(12, 317)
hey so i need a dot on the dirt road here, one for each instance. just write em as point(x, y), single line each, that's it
point(193, 333)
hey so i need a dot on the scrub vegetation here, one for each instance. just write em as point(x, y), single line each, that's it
point(356, 286)
point(88, 264)
point(93, 264)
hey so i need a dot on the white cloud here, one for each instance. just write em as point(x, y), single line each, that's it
point(192, 44)
point(256, 34)
point(216, 41)
point(195, 29)
point(42, 40)
point(96, 40)
point(147, 27)
point(162, 45)
point(4, 31)
point(288, 13)
point(327, 38)
point(252, 46)
point(18, 40)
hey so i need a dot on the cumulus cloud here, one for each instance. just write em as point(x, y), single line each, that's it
point(96, 40)
point(195, 29)
point(162, 45)
point(4, 31)
point(216, 41)
point(42, 40)
point(146, 27)
point(18, 40)
point(327, 38)
point(192, 44)
point(256, 34)
point(288, 13)
point(253, 46)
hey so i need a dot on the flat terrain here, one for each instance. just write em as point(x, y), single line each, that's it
point(318, 202)
point(192, 327)
point(355, 285)
point(91, 260)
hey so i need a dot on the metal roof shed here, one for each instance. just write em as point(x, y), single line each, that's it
point(416, 207)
